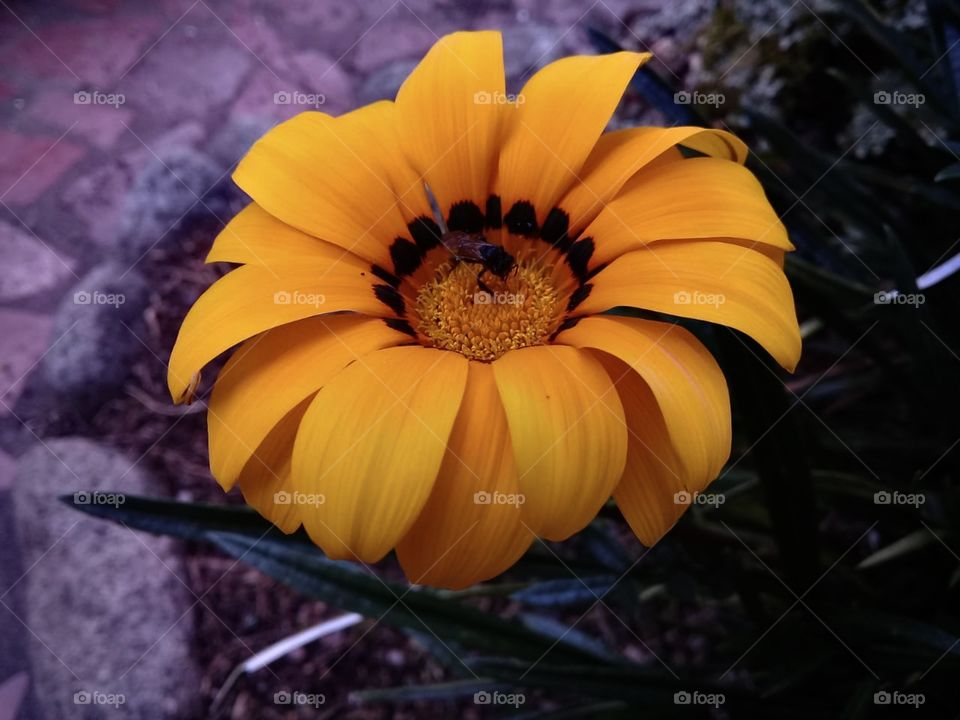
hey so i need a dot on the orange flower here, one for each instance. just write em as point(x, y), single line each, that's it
point(397, 388)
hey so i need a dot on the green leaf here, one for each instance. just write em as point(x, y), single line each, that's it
point(951, 172)
point(562, 632)
point(911, 543)
point(355, 588)
point(878, 627)
point(188, 521)
point(919, 190)
point(565, 592)
point(604, 547)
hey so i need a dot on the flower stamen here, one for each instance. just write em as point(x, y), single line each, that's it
point(483, 320)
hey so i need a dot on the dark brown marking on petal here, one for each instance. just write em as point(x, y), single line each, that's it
point(593, 273)
point(578, 258)
point(578, 296)
point(388, 277)
point(390, 297)
point(425, 233)
point(401, 326)
point(494, 212)
point(566, 325)
point(522, 219)
point(406, 257)
point(465, 216)
point(554, 230)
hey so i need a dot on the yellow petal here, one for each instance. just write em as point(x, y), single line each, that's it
point(330, 178)
point(684, 378)
point(449, 112)
point(252, 299)
point(653, 493)
point(713, 281)
point(380, 122)
point(270, 374)
point(568, 434)
point(371, 444)
point(699, 198)
point(256, 237)
point(620, 154)
point(560, 113)
point(470, 529)
point(266, 480)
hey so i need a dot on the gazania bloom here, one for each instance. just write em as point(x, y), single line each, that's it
point(449, 385)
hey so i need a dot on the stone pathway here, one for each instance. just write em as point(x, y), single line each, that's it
point(119, 122)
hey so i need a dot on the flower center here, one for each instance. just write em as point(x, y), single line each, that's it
point(483, 320)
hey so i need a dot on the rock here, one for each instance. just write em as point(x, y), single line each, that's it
point(258, 35)
point(97, 116)
point(321, 74)
point(528, 47)
point(97, 198)
point(13, 636)
point(32, 165)
point(235, 139)
point(391, 40)
point(272, 100)
point(95, 333)
point(7, 466)
point(108, 607)
point(166, 197)
point(382, 84)
point(24, 336)
point(191, 71)
point(333, 26)
point(188, 134)
point(29, 266)
point(99, 50)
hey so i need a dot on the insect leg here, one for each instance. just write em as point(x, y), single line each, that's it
point(481, 284)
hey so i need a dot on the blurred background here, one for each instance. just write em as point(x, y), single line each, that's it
point(819, 581)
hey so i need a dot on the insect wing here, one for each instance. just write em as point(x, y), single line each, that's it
point(465, 246)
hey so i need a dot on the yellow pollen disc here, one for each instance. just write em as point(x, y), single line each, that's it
point(456, 314)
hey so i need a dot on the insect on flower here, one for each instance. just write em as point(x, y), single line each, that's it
point(369, 353)
point(474, 248)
